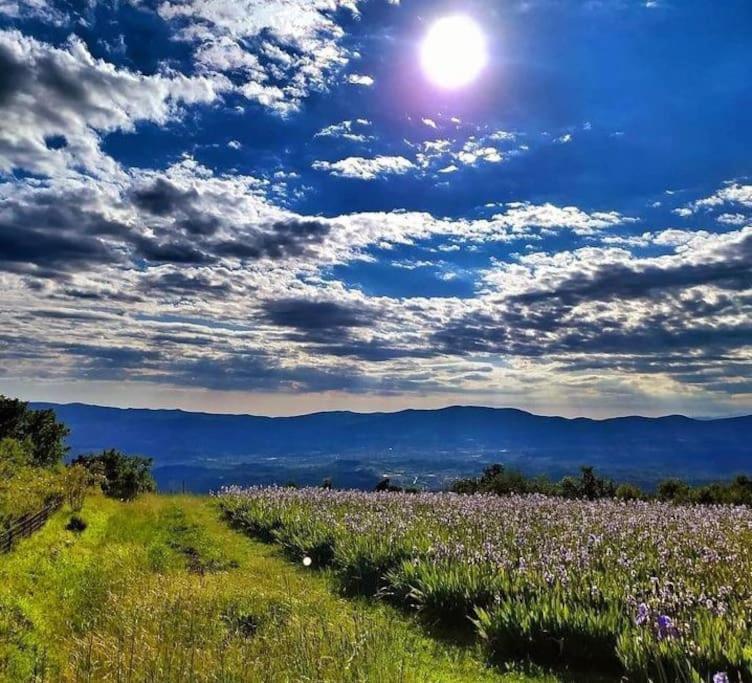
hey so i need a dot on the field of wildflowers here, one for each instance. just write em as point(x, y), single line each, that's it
point(643, 589)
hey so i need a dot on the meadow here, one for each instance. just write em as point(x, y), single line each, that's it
point(646, 590)
point(160, 589)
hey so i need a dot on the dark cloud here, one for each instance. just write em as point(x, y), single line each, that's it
point(78, 316)
point(49, 233)
point(286, 239)
point(473, 333)
point(307, 315)
point(729, 270)
point(172, 251)
point(328, 326)
point(184, 284)
point(197, 224)
point(13, 74)
point(45, 252)
point(263, 371)
point(163, 198)
point(673, 332)
point(55, 235)
point(373, 350)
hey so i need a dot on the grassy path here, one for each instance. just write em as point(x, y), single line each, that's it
point(162, 590)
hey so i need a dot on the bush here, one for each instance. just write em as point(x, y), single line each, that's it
point(673, 490)
point(628, 492)
point(27, 491)
point(76, 482)
point(122, 476)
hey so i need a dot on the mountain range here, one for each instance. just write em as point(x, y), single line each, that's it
point(201, 451)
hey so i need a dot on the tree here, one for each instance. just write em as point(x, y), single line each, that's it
point(47, 436)
point(594, 487)
point(499, 480)
point(589, 486)
point(40, 428)
point(12, 412)
point(122, 476)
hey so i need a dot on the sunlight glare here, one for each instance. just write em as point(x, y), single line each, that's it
point(454, 52)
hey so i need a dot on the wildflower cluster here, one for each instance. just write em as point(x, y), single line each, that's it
point(648, 588)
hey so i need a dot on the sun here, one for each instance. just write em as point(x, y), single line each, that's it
point(453, 52)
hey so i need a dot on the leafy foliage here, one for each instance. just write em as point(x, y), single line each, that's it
point(736, 492)
point(501, 481)
point(24, 489)
point(31, 451)
point(77, 480)
point(121, 476)
point(39, 428)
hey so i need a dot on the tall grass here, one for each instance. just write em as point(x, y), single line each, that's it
point(162, 590)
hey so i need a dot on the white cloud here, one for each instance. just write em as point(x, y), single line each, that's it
point(67, 92)
point(474, 151)
point(734, 219)
point(442, 154)
point(366, 169)
point(523, 215)
point(732, 193)
point(360, 79)
point(503, 136)
point(429, 122)
point(347, 130)
point(299, 40)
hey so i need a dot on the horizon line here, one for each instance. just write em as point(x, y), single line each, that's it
point(400, 411)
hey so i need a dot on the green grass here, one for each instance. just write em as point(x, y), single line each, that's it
point(162, 590)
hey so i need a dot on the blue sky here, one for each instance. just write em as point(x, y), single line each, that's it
point(268, 206)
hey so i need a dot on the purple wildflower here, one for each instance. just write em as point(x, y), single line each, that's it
point(643, 612)
point(666, 628)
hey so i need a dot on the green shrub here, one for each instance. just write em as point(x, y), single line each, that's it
point(121, 476)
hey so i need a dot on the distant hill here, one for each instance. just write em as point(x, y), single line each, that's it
point(202, 451)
